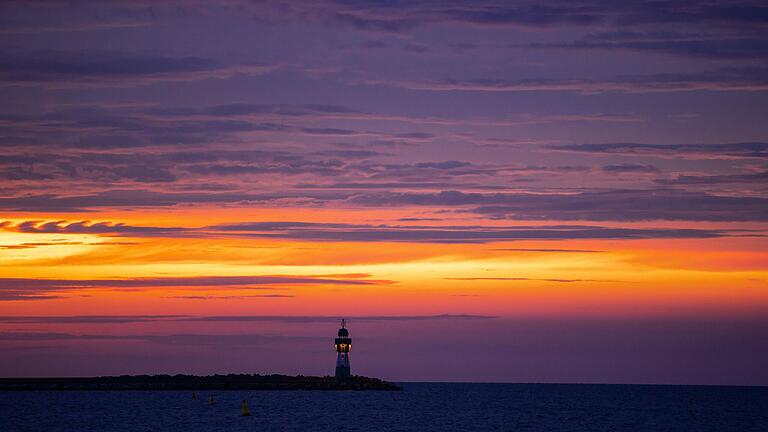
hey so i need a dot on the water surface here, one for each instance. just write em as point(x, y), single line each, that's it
point(420, 407)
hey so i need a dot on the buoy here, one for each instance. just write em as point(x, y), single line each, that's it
point(211, 401)
point(246, 411)
point(194, 395)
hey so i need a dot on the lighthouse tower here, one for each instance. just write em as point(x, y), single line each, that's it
point(343, 345)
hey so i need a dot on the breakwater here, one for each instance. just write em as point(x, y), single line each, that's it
point(194, 382)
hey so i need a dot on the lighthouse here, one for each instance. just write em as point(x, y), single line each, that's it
point(343, 345)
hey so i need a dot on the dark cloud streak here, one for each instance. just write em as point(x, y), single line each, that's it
point(748, 78)
point(126, 319)
point(758, 150)
point(107, 68)
point(45, 289)
point(614, 205)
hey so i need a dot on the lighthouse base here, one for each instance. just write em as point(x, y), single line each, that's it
point(342, 372)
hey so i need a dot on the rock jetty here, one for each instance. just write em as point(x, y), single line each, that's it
point(193, 382)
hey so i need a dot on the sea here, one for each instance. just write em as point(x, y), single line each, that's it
point(419, 407)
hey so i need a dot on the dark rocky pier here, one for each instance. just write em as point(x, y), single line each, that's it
point(193, 382)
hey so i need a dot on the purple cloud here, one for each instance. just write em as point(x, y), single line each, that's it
point(107, 68)
point(757, 150)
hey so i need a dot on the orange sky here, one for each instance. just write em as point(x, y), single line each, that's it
point(573, 277)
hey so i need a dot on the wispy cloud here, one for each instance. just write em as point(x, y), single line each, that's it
point(752, 179)
point(134, 198)
point(703, 46)
point(725, 79)
point(525, 279)
point(629, 168)
point(190, 339)
point(449, 234)
point(69, 69)
point(346, 232)
point(46, 289)
point(126, 319)
point(372, 16)
point(612, 205)
point(546, 250)
point(230, 297)
point(757, 150)
point(88, 227)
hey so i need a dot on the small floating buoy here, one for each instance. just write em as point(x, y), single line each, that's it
point(211, 400)
point(194, 395)
point(246, 411)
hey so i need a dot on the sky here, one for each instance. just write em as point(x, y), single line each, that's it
point(501, 191)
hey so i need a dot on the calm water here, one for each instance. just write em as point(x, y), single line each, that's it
point(420, 407)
